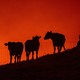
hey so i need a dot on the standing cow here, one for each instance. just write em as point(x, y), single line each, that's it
point(31, 46)
point(57, 39)
point(15, 49)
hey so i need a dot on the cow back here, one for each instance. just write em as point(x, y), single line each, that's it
point(58, 39)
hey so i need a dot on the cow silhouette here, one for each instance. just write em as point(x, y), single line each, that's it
point(15, 49)
point(57, 39)
point(31, 46)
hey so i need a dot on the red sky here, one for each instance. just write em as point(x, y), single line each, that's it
point(22, 19)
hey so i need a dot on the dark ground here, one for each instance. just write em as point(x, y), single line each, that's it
point(63, 66)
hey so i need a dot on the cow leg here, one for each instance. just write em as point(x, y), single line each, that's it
point(27, 58)
point(19, 58)
point(15, 58)
point(27, 55)
point(32, 54)
point(36, 54)
point(59, 49)
point(64, 47)
point(10, 59)
point(54, 49)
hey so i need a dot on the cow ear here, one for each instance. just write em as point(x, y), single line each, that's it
point(5, 44)
point(39, 36)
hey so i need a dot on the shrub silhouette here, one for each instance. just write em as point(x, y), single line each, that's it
point(15, 49)
point(57, 39)
point(78, 44)
point(31, 46)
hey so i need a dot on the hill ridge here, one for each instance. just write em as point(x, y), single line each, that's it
point(63, 66)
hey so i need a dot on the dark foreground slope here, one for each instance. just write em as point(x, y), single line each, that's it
point(63, 66)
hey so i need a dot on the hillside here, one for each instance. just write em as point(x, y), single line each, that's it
point(63, 66)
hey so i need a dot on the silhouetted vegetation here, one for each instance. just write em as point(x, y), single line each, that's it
point(78, 44)
point(31, 46)
point(57, 39)
point(15, 49)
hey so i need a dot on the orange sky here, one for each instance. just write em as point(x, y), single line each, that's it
point(22, 19)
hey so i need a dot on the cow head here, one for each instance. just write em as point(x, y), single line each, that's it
point(6, 44)
point(37, 37)
point(48, 35)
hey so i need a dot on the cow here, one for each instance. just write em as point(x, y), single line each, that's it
point(58, 40)
point(31, 46)
point(15, 49)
